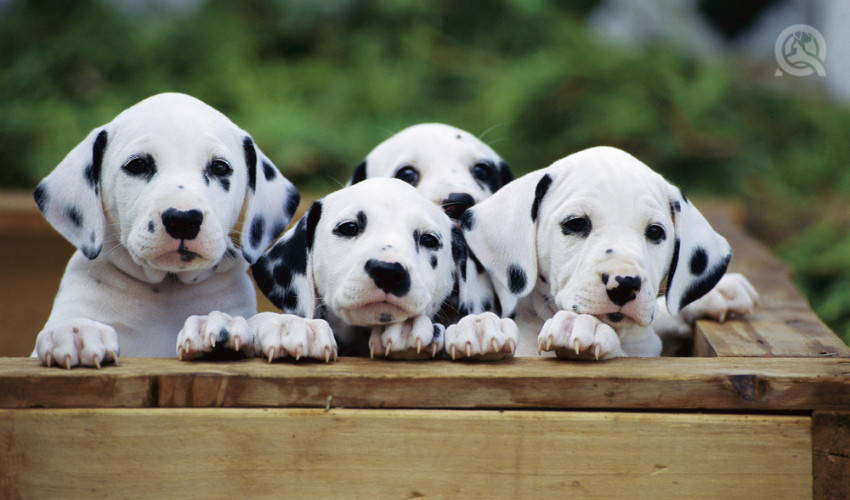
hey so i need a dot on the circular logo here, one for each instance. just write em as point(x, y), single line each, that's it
point(800, 51)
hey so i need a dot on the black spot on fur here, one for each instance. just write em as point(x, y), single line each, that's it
point(416, 236)
point(313, 217)
point(222, 336)
point(505, 173)
point(674, 261)
point(269, 171)
point(359, 173)
point(699, 261)
point(292, 201)
point(539, 192)
point(250, 162)
point(459, 251)
point(92, 171)
point(437, 332)
point(517, 279)
point(361, 221)
point(543, 279)
point(74, 216)
point(434, 261)
point(256, 234)
point(151, 227)
point(41, 196)
point(385, 318)
point(685, 198)
point(467, 220)
point(675, 207)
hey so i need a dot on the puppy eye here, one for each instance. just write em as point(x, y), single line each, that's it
point(347, 229)
point(482, 171)
point(429, 241)
point(655, 233)
point(408, 174)
point(140, 167)
point(219, 168)
point(576, 225)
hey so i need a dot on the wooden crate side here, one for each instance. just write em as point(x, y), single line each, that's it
point(784, 384)
point(831, 454)
point(401, 454)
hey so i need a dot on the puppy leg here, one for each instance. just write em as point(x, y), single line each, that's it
point(579, 336)
point(482, 336)
point(77, 341)
point(202, 334)
point(415, 338)
point(282, 335)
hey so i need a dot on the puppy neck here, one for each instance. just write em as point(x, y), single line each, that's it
point(120, 258)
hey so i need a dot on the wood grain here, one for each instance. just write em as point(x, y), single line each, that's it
point(831, 454)
point(785, 384)
point(185, 453)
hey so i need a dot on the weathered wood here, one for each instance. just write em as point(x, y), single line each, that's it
point(186, 453)
point(831, 454)
point(784, 324)
point(785, 384)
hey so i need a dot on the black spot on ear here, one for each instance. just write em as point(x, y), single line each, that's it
point(699, 261)
point(256, 234)
point(459, 251)
point(269, 171)
point(685, 198)
point(539, 192)
point(359, 173)
point(250, 162)
point(41, 196)
point(92, 171)
point(313, 217)
point(293, 198)
point(467, 220)
point(74, 216)
point(705, 284)
point(505, 173)
point(517, 279)
point(673, 262)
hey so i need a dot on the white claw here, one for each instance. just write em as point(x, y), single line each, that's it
point(494, 345)
point(597, 351)
point(453, 352)
point(297, 353)
point(576, 345)
point(388, 347)
point(68, 362)
point(271, 355)
point(549, 344)
point(327, 354)
point(433, 350)
point(96, 362)
point(236, 343)
point(468, 350)
point(418, 346)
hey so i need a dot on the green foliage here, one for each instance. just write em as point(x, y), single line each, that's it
point(319, 84)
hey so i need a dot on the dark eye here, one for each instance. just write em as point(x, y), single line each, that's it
point(576, 225)
point(347, 229)
point(655, 233)
point(408, 174)
point(482, 171)
point(219, 168)
point(140, 167)
point(429, 241)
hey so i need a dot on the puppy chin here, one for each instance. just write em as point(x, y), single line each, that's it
point(374, 314)
point(178, 257)
point(637, 312)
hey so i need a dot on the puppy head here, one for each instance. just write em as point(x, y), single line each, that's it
point(449, 166)
point(166, 181)
point(374, 253)
point(599, 231)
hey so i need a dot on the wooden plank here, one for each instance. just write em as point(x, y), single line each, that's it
point(786, 384)
point(831, 454)
point(784, 324)
point(401, 454)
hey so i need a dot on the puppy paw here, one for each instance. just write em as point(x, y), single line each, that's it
point(579, 336)
point(284, 335)
point(733, 295)
point(483, 336)
point(415, 338)
point(77, 342)
point(203, 334)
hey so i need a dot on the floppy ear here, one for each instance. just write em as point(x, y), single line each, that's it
point(359, 174)
point(69, 197)
point(271, 202)
point(285, 273)
point(700, 255)
point(501, 232)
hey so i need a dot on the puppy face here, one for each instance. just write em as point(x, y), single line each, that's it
point(374, 253)
point(166, 181)
point(449, 166)
point(596, 232)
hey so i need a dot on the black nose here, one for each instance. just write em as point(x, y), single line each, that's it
point(626, 291)
point(182, 225)
point(456, 204)
point(390, 277)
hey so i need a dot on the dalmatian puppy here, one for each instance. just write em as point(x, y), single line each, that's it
point(376, 260)
point(455, 170)
point(451, 167)
point(579, 251)
point(151, 200)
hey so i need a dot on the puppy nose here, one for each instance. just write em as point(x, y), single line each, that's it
point(390, 277)
point(456, 204)
point(626, 289)
point(182, 225)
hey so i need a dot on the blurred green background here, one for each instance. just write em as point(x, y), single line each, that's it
point(318, 84)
